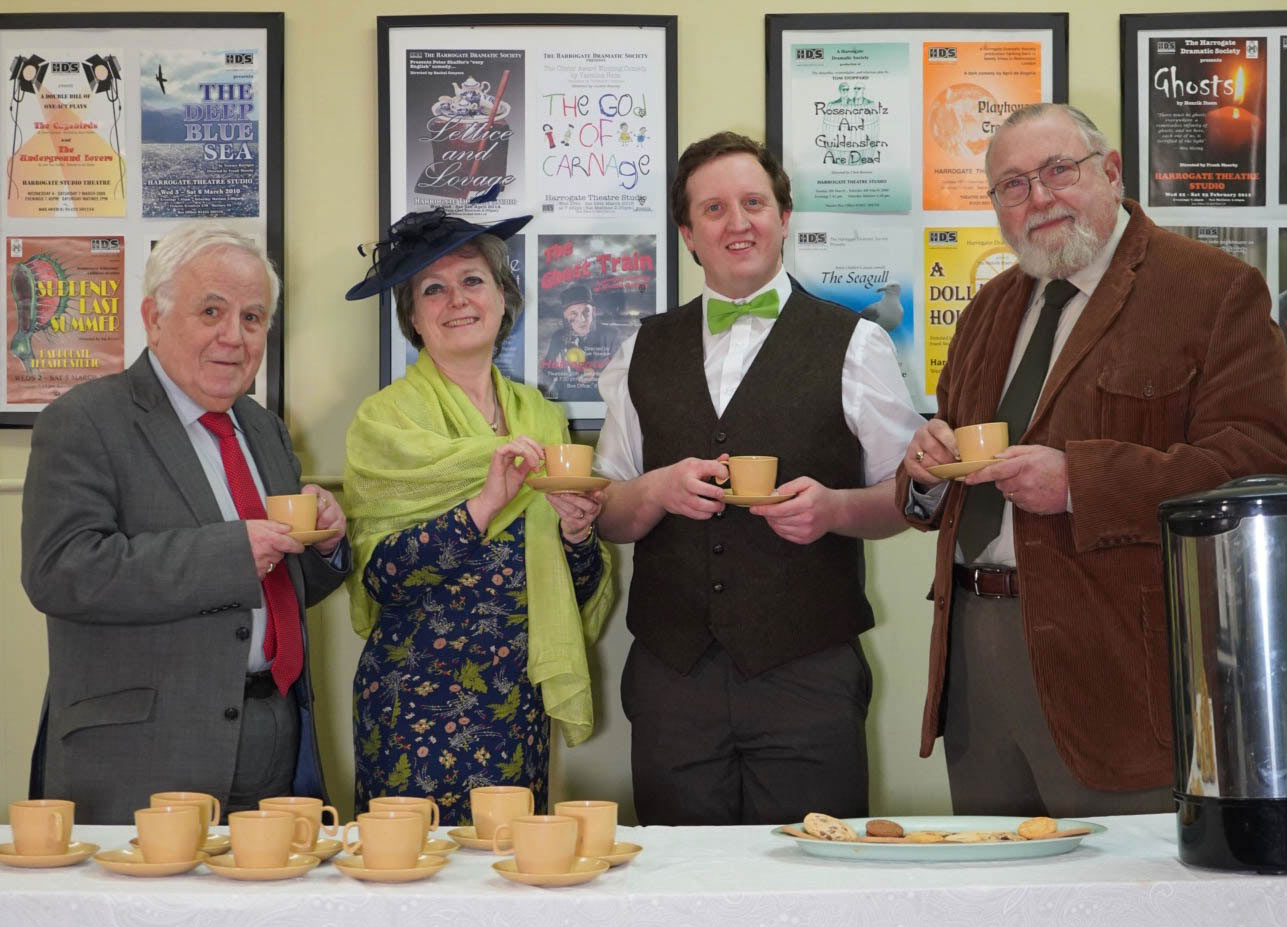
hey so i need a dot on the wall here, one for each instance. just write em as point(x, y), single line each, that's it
point(331, 191)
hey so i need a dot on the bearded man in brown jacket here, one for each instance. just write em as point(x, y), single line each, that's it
point(1161, 374)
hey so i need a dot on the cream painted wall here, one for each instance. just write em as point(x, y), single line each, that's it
point(332, 348)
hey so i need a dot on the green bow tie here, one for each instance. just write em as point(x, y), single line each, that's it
point(721, 314)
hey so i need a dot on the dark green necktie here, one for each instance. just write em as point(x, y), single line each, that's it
point(984, 504)
point(721, 314)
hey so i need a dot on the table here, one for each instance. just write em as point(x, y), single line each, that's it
point(706, 876)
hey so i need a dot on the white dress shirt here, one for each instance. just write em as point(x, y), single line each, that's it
point(206, 445)
point(876, 403)
point(1001, 551)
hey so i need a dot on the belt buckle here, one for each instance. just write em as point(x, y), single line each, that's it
point(974, 578)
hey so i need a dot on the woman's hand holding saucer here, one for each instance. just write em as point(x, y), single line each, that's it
point(577, 513)
point(505, 477)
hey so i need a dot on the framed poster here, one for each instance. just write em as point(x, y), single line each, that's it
point(570, 119)
point(1203, 111)
point(882, 121)
point(120, 126)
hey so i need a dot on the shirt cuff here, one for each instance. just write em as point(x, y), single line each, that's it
point(924, 504)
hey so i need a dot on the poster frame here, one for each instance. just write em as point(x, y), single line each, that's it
point(135, 27)
point(1131, 25)
point(779, 26)
point(392, 131)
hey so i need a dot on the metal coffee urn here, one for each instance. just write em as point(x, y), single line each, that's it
point(1225, 558)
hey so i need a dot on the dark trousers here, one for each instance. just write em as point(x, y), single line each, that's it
point(269, 745)
point(1001, 758)
point(713, 747)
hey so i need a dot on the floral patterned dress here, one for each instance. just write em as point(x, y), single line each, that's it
point(441, 700)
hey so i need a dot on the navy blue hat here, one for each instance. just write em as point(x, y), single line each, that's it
point(417, 240)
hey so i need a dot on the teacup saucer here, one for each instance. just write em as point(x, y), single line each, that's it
point(325, 849)
point(215, 844)
point(734, 499)
point(296, 865)
point(568, 483)
point(621, 853)
point(426, 865)
point(583, 870)
point(440, 847)
point(312, 537)
point(468, 837)
point(77, 851)
point(131, 863)
point(959, 469)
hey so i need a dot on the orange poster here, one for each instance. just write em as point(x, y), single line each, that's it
point(969, 90)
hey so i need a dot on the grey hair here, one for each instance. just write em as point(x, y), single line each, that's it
point(184, 243)
point(496, 253)
point(1094, 139)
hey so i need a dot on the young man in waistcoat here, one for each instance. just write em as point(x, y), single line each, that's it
point(746, 686)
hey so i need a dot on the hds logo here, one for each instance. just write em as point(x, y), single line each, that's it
point(811, 238)
point(808, 54)
point(945, 53)
point(942, 238)
point(239, 58)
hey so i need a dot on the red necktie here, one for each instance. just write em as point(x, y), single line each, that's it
point(283, 643)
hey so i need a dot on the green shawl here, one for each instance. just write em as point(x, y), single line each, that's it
point(419, 448)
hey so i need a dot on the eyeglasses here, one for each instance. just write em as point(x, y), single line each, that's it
point(1058, 174)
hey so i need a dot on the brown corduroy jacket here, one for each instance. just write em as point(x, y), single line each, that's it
point(1174, 380)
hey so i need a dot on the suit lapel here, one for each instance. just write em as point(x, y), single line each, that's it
point(985, 394)
point(163, 431)
point(265, 447)
point(1101, 310)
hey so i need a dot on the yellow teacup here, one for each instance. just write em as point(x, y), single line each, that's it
point(425, 807)
point(264, 839)
point(41, 826)
point(568, 459)
point(981, 442)
point(389, 839)
point(543, 843)
point(596, 825)
point(207, 808)
point(494, 805)
point(310, 809)
point(753, 475)
point(168, 833)
point(298, 510)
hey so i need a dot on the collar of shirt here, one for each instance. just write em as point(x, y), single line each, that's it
point(780, 282)
point(187, 409)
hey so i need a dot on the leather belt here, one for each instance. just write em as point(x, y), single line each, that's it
point(260, 685)
point(988, 582)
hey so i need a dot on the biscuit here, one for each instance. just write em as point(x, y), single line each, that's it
point(878, 827)
point(828, 828)
point(925, 836)
point(971, 836)
point(1037, 827)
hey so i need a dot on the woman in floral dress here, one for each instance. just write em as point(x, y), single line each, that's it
point(478, 595)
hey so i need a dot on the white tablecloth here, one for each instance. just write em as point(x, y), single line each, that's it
point(706, 876)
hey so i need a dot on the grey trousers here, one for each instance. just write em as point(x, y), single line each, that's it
point(267, 750)
point(713, 747)
point(1000, 756)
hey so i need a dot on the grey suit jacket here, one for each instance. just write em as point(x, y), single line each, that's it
point(147, 594)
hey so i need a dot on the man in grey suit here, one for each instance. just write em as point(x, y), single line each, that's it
point(177, 657)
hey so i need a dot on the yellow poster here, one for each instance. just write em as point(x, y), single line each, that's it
point(957, 262)
point(969, 90)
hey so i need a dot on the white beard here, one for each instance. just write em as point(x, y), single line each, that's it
point(1078, 248)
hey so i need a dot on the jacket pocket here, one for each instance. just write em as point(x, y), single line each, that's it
point(1143, 405)
point(128, 706)
point(1157, 661)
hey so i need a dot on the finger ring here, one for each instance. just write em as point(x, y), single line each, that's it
point(920, 455)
